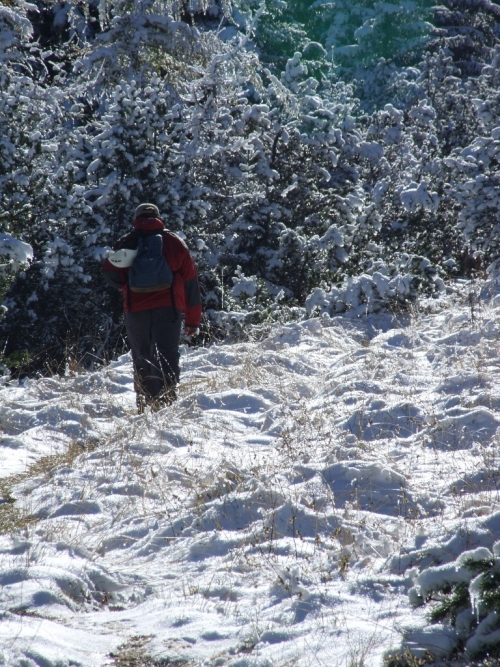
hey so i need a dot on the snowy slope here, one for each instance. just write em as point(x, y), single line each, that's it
point(278, 514)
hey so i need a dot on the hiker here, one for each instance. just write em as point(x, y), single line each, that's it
point(153, 268)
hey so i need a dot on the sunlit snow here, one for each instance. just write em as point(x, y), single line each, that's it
point(278, 514)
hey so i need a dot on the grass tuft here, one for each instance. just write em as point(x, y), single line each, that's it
point(131, 654)
point(14, 519)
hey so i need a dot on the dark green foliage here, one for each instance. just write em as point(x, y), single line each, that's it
point(357, 33)
point(56, 328)
point(458, 599)
point(491, 591)
point(479, 566)
point(457, 595)
point(470, 604)
point(490, 583)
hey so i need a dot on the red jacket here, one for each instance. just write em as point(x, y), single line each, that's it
point(185, 289)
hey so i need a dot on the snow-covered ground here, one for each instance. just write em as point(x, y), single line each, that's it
point(277, 515)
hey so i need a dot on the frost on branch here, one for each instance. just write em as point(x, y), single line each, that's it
point(463, 599)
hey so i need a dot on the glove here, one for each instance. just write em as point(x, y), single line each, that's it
point(191, 331)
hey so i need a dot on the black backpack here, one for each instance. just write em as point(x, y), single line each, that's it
point(150, 271)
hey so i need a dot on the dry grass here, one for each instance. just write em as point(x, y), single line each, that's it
point(406, 659)
point(132, 654)
point(12, 518)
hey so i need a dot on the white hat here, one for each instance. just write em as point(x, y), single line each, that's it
point(122, 258)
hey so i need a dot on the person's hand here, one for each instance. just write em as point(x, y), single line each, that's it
point(191, 331)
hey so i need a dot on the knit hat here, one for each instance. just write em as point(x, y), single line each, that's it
point(147, 211)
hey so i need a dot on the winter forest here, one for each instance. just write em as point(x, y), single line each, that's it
point(326, 490)
point(316, 156)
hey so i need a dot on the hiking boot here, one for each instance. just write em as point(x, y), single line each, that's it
point(158, 403)
point(165, 399)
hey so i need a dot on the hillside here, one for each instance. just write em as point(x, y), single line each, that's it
point(307, 487)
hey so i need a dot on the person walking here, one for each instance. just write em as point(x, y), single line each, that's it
point(153, 268)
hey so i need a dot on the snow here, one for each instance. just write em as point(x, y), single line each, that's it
point(17, 253)
point(303, 494)
point(418, 195)
point(245, 286)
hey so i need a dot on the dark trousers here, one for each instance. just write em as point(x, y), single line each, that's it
point(154, 337)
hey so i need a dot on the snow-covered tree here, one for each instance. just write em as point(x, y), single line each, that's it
point(289, 190)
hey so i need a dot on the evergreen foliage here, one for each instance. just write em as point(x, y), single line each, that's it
point(465, 595)
point(302, 183)
point(354, 33)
